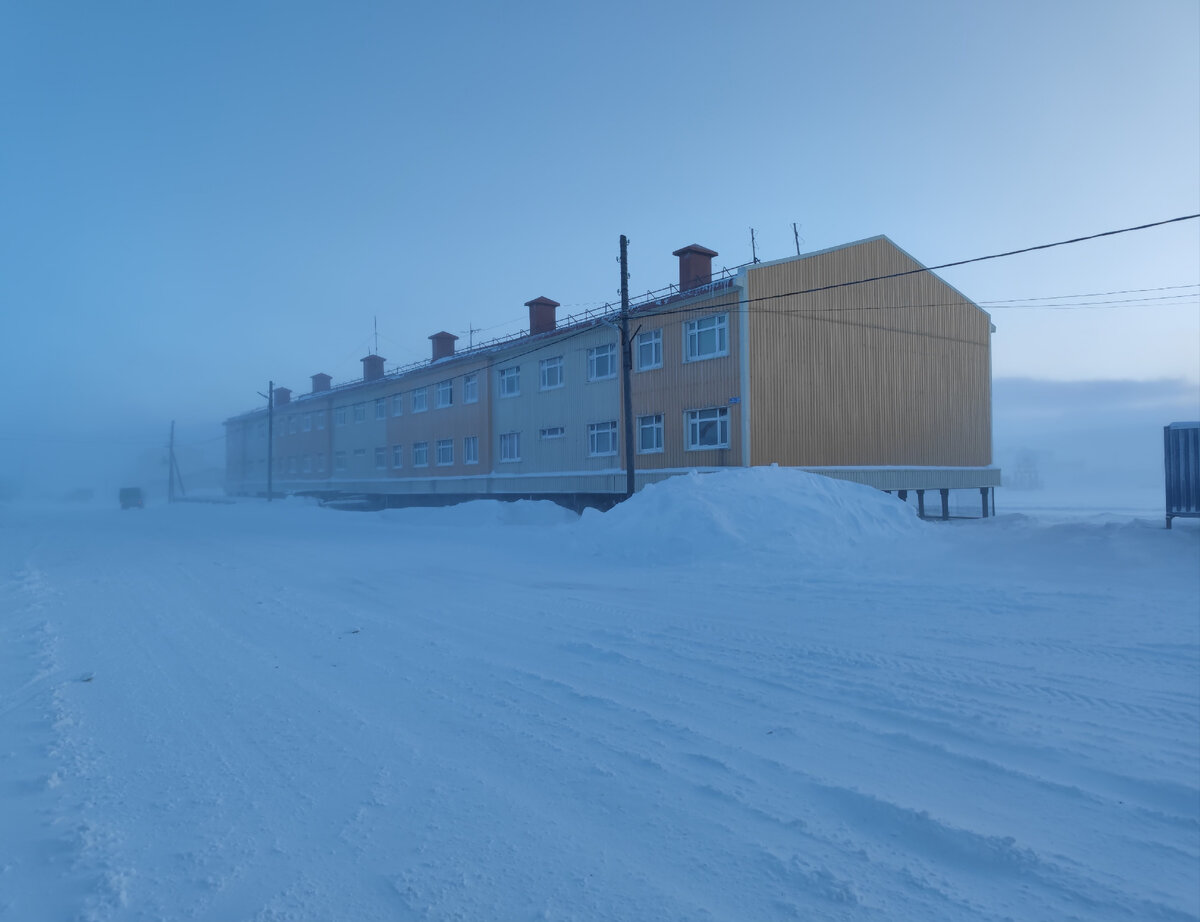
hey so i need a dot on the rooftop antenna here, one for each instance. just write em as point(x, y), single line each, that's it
point(796, 234)
point(471, 331)
point(376, 319)
point(753, 247)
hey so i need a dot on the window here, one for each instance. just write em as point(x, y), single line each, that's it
point(706, 338)
point(397, 404)
point(445, 393)
point(420, 454)
point(291, 425)
point(510, 446)
point(707, 428)
point(471, 388)
point(420, 400)
point(360, 412)
point(306, 464)
point(445, 452)
point(650, 434)
point(551, 432)
point(339, 461)
point(602, 438)
point(471, 449)
point(380, 459)
point(510, 381)
point(551, 373)
point(602, 362)
point(308, 422)
point(381, 408)
point(320, 419)
point(339, 416)
point(360, 458)
point(320, 462)
point(649, 350)
point(397, 456)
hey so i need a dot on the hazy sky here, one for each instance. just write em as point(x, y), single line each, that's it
point(198, 197)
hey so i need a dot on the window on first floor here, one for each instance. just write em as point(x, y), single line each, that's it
point(380, 459)
point(551, 432)
point(420, 454)
point(471, 449)
point(445, 452)
point(306, 465)
point(510, 446)
point(650, 433)
point(397, 456)
point(320, 462)
point(602, 438)
point(708, 428)
point(339, 461)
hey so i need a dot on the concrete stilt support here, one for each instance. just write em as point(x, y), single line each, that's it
point(921, 503)
point(945, 502)
point(983, 495)
point(903, 494)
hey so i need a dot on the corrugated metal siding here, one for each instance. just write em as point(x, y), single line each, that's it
point(895, 372)
point(1181, 459)
point(679, 386)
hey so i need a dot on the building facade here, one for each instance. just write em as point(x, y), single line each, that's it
point(855, 361)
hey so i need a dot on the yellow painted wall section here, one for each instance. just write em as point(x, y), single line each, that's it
point(892, 372)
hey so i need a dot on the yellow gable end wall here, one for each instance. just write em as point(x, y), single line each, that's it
point(894, 372)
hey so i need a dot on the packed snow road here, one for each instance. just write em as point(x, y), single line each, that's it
point(755, 697)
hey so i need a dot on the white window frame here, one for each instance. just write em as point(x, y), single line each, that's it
point(339, 416)
point(381, 408)
point(652, 423)
point(609, 353)
point(359, 453)
point(509, 381)
point(598, 435)
point(471, 388)
point(445, 452)
point(360, 412)
point(291, 425)
point(693, 420)
point(420, 400)
point(380, 459)
point(653, 339)
point(397, 456)
point(339, 462)
point(320, 415)
point(445, 394)
point(420, 454)
point(550, 373)
point(471, 449)
point(397, 404)
point(718, 324)
point(552, 432)
point(308, 422)
point(510, 447)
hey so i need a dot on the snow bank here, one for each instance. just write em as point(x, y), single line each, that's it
point(750, 511)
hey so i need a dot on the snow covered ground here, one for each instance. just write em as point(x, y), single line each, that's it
point(756, 695)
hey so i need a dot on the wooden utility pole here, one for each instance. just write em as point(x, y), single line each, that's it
point(627, 366)
point(270, 439)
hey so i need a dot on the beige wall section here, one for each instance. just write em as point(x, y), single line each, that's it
point(895, 372)
point(679, 386)
point(573, 406)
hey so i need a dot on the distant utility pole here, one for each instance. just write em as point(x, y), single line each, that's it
point(753, 247)
point(173, 474)
point(270, 395)
point(627, 366)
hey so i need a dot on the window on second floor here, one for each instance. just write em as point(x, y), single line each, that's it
point(420, 400)
point(602, 362)
point(510, 381)
point(706, 338)
point(445, 393)
point(551, 372)
point(471, 388)
point(649, 350)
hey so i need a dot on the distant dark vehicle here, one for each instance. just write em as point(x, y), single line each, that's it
point(132, 498)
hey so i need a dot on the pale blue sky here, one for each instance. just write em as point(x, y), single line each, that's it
point(198, 198)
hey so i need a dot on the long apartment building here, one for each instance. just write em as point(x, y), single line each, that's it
point(854, 361)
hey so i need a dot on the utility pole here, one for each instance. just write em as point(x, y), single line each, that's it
point(171, 465)
point(270, 439)
point(627, 365)
point(796, 234)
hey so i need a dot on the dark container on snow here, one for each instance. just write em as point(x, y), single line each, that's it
point(1181, 459)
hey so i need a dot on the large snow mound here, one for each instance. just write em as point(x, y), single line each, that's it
point(759, 509)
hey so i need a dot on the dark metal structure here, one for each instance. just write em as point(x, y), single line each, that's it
point(1181, 463)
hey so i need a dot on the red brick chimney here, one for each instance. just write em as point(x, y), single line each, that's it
point(320, 382)
point(695, 266)
point(443, 345)
point(283, 395)
point(541, 315)
point(373, 367)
